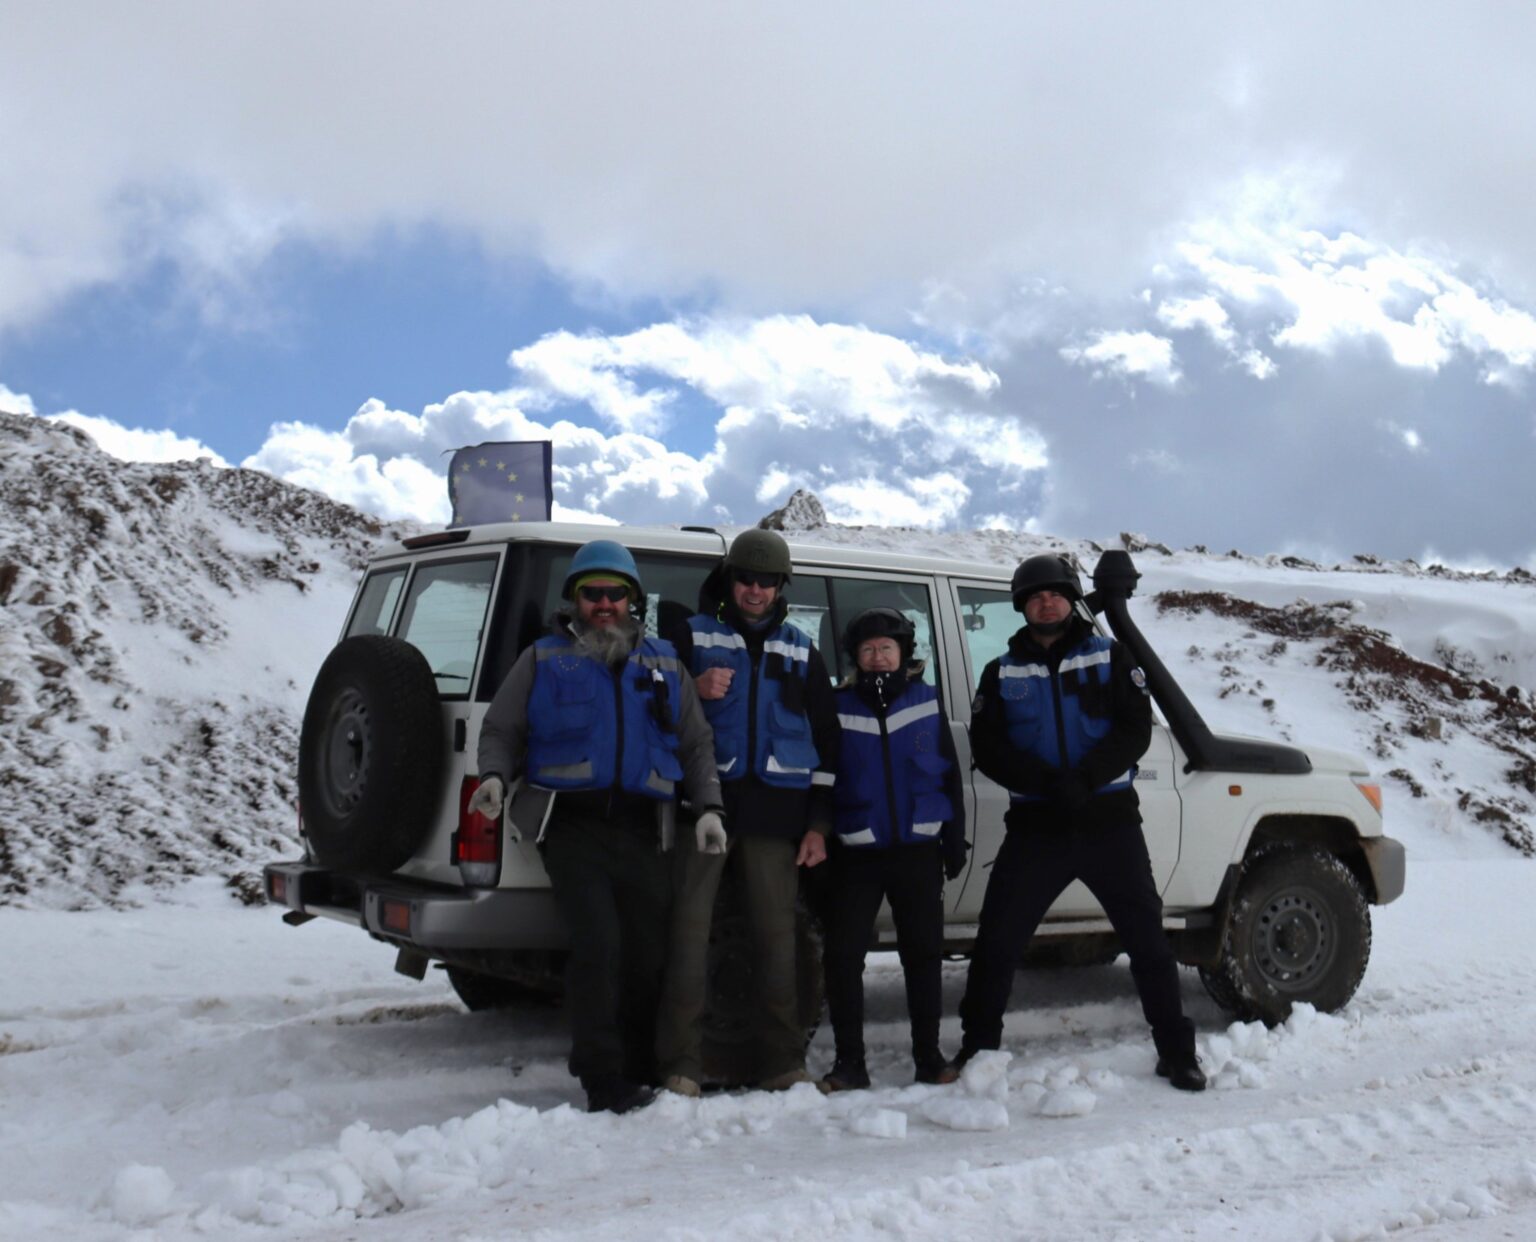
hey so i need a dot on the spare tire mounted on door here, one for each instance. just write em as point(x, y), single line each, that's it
point(370, 755)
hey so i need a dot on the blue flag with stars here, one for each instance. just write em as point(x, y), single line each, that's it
point(511, 481)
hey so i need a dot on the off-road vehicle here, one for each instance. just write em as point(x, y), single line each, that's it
point(1268, 857)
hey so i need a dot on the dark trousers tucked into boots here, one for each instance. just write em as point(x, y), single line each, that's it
point(1031, 871)
point(614, 890)
point(911, 878)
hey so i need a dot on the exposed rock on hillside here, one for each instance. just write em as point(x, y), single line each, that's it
point(802, 511)
point(1409, 701)
point(135, 741)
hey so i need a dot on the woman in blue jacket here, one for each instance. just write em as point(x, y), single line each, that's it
point(899, 830)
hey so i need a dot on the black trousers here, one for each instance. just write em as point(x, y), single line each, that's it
point(1031, 870)
point(911, 878)
point(615, 890)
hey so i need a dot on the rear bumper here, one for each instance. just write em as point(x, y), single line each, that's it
point(425, 916)
point(1388, 861)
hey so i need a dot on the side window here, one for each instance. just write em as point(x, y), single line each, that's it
point(444, 618)
point(989, 621)
point(810, 612)
point(851, 596)
point(376, 605)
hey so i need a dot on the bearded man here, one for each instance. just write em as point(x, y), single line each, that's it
point(610, 721)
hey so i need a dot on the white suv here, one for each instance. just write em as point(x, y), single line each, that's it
point(1267, 856)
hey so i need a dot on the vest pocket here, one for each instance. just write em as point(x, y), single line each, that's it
point(791, 752)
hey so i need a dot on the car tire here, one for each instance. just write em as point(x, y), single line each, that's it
point(480, 992)
point(370, 755)
point(1299, 931)
point(729, 1036)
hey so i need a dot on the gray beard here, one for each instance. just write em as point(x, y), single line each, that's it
point(610, 644)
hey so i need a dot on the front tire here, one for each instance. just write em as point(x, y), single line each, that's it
point(1299, 931)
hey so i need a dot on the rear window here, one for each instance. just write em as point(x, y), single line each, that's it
point(444, 618)
point(376, 603)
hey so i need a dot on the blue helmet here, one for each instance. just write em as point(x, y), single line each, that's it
point(603, 556)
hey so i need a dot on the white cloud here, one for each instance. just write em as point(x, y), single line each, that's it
point(1185, 314)
point(795, 402)
point(930, 503)
point(124, 443)
point(15, 402)
point(1332, 290)
point(1140, 355)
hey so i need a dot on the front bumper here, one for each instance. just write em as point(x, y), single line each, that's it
point(1388, 862)
point(413, 912)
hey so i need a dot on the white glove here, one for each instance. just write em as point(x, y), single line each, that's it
point(709, 834)
point(486, 800)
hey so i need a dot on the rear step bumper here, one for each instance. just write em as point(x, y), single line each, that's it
point(412, 912)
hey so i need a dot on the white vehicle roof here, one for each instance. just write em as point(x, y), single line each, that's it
point(671, 539)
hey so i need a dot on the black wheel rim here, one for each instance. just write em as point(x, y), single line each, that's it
point(344, 757)
point(1294, 940)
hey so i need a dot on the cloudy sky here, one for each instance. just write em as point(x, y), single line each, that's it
point(1253, 276)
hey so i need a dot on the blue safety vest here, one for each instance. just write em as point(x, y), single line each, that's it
point(890, 774)
point(755, 731)
point(591, 729)
point(1045, 714)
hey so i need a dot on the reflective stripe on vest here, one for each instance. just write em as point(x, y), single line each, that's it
point(588, 729)
point(1031, 695)
point(784, 751)
point(863, 801)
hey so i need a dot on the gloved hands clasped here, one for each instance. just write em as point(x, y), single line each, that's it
point(487, 798)
point(709, 833)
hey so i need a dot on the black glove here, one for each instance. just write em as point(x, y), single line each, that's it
point(955, 848)
point(1070, 792)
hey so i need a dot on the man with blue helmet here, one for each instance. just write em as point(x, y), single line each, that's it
point(768, 698)
point(1060, 720)
point(610, 720)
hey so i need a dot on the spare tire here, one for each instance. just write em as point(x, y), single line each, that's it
point(370, 755)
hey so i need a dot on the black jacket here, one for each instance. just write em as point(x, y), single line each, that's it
point(1069, 798)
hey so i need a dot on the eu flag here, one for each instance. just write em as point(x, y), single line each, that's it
point(502, 482)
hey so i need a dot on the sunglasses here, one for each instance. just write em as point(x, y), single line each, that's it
point(747, 578)
point(597, 594)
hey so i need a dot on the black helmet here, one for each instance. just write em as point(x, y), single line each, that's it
point(1045, 571)
point(759, 552)
point(880, 623)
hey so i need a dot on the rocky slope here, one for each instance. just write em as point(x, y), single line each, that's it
point(158, 624)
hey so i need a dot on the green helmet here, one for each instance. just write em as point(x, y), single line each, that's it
point(759, 552)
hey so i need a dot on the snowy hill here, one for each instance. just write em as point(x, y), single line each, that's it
point(204, 1069)
point(161, 625)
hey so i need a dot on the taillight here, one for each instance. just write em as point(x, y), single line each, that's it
point(277, 888)
point(477, 843)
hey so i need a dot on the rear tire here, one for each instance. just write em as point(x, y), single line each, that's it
point(370, 755)
point(1300, 930)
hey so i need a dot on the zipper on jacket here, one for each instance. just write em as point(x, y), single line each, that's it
point(890, 779)
point(1061, 725)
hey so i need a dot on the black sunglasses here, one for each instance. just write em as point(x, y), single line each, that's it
point(747, 578)
point(597, 594)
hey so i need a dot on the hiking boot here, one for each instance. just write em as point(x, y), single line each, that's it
point(967, 1051)
point(1182, 1072)
point(932, 1068)
point(681, 1084)
point(846, 1074)
point(613, 1093)
point(784, 1081)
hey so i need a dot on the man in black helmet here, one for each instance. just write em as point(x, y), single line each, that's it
point(768, 698)
point(1059, 720)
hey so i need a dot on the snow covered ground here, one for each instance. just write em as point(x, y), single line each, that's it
point(179, 1066)
point(194, 1069)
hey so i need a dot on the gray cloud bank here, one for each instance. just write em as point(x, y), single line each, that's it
point(1250, 276)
